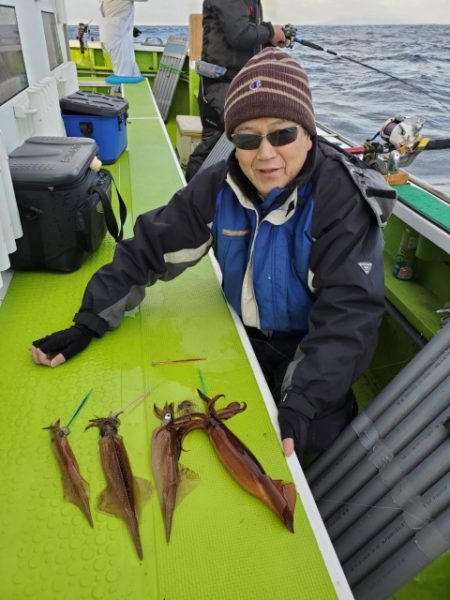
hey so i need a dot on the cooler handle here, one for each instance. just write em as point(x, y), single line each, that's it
point(110, 219)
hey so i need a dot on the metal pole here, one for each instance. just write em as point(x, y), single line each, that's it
point(414, 369)
point(368, 432)
point(411, 456)
point(384, 450)
point(409, 560)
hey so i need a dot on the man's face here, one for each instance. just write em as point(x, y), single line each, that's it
point(269, 166)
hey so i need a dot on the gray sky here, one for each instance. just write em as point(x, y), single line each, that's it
point(309, 12)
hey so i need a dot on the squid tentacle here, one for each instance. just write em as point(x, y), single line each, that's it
point(229, 411)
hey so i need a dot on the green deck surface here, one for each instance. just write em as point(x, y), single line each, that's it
point(225, 544)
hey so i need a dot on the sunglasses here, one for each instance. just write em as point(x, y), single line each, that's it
point(252, 141)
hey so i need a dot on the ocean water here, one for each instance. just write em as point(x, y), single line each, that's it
point(356, 101)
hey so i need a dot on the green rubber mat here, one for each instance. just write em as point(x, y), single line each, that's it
point(425, 204)
point(225, 544)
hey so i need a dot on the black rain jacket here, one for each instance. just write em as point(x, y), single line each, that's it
point(351, 204)
point(233, 31)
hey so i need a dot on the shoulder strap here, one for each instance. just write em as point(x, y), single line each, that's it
point(110, 218)
point(376, 191)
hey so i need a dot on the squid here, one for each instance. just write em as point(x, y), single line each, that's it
point(240, 462)
point(122, 492)
point(76, 489)
point(165, 452)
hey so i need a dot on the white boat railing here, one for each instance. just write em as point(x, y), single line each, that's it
point(10, 227)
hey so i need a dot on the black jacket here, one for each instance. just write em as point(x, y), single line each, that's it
point(351, 203)
point(233, 31)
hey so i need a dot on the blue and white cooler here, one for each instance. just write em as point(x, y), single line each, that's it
point(100, 117)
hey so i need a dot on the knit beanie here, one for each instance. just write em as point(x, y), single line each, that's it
point(271, 84)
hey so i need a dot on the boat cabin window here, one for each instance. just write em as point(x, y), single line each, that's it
point(13, 75)
point(55, 56)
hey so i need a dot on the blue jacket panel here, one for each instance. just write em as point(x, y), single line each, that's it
point(277, 255)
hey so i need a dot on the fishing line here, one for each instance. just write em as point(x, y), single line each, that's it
point(358, 62)
point(394, 364)
point(379, 508)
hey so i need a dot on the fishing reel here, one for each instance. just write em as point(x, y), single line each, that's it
point(402, 143)
point(401, 132)
point(290, 32)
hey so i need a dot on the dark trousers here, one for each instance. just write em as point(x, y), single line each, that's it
point(274, 356)
point(211, 101)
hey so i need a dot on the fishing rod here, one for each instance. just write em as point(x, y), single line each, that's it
point(83, 28)
point(290, 33)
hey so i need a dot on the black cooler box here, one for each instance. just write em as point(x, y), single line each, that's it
point(61, 202)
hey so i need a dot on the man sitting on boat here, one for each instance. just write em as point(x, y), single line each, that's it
point(295, 226)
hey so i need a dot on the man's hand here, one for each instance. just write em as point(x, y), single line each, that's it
point(294, 431)
point(55, 349)
point(288, 446)
point(279, 39)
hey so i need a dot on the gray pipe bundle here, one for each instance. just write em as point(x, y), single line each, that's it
point(388, 507)
point(438, 345)
point(418, 512)
point(370, 432)
point(406, 562)
point(385, 450)
point(389, 475)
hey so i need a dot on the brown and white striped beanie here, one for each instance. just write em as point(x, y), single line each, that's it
point(271, 84)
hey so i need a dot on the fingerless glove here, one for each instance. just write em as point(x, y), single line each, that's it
point(68, 342)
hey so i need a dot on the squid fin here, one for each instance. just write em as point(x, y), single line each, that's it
point(188, 481)
point(80, 499)
point(107, 504)
point(143, 489)
point(289, 493)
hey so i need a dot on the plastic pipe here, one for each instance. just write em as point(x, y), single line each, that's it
point(412, 455)
point(427, 544)
point(368, 432)
point(388, 507)
point(413, 370)
point(385, 450)
point(417, 514)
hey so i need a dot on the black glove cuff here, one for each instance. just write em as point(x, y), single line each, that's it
point(93, 323)
point(85, 330)
point(294, 425)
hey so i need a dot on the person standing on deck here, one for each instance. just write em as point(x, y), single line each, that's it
point(233, 31)
point(116, 35)
point(294, 223)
